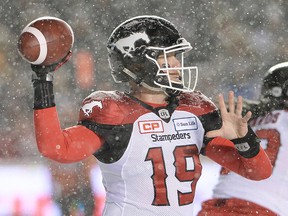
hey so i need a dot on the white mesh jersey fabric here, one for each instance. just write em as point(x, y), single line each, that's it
point(158, 172)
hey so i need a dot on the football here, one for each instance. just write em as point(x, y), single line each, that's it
point(45, 41)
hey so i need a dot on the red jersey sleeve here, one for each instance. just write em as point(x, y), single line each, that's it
point(68, 145)
point(224, 153)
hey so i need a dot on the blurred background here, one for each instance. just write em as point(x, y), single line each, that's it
point(234, 42)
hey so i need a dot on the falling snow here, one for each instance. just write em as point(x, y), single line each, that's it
point(234, 43)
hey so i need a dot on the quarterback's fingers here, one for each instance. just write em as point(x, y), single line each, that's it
point(239, 105)
point(222, 105)
point(247, 116)
point(231, 102)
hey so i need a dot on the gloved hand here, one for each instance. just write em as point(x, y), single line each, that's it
point(43, 83)
point(42, 70)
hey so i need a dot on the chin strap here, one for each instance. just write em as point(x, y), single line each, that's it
point(173, 92)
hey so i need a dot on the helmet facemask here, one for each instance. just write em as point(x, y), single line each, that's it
point(188, 75)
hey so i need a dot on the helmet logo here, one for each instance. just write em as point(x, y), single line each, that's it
point(127, 44)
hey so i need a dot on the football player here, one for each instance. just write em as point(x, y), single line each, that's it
point(234, 195)
point(148, 140)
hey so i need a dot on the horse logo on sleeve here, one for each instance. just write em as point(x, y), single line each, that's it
point(88, 107)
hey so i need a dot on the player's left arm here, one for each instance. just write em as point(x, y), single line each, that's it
point(224, 152)
point(235, 145)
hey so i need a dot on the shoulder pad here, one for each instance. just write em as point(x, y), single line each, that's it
point(102, 107)
point(196, 102)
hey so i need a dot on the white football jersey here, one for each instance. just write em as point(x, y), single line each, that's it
point(150, 159)
point(136, 187)
point(271, 193)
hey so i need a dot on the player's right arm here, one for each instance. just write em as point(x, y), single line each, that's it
point(68, 145)
point(62, 145)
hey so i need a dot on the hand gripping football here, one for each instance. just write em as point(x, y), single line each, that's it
point(45, 41)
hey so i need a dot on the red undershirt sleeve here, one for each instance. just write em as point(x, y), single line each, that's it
point(69, 145)
point(224, 153)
